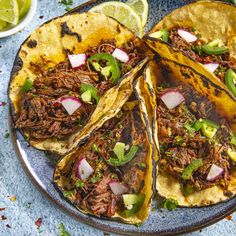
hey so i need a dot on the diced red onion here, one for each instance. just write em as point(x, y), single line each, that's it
point(71, 104)
point(77, 60)
point(84, 170)
point(118, 187)
point(211, 66)
point(120, 55)
point(172, 98)
point(187, 36)
point(214, 172)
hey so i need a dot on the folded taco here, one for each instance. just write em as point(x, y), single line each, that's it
point(201, 35)
point(196, 137)
point(111, 173)
point(62, 72)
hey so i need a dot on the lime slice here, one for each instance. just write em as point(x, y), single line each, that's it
point(9, 11)
point(141, 8)
point(121, 12)
point(3, 24)
point(24, 6)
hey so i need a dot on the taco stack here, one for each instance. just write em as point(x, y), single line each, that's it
point(201, 35)
point(196, 143)
point(58, 91)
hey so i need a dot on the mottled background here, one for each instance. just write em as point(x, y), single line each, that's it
point(21, 204)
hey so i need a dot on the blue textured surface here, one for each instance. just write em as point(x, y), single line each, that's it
point(20, 214)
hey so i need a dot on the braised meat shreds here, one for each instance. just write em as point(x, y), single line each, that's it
point(41, 114)
point(95, 194)
point(179, 147)
point(191, 50)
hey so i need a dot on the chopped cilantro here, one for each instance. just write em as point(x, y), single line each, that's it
point(189, 128)
point(233, 140)
point(95, 148)
point(62, 231)
point(97, 177)
point(79, 184)
point(170, 204)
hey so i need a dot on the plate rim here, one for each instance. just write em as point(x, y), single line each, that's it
point(56, 203)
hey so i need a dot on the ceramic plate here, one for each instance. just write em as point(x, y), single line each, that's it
point(39, 168)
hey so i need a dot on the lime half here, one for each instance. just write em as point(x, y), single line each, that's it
point(24, 6)
point(9, 11)
point(122, 13)
point(141, 8)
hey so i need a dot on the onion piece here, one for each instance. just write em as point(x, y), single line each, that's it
point(211, 66)
point(172, 98)
point(187, 36)
point(71, 104)
point(120, 55)
point(84, 170)
point(118, 187)
point(214, 172)
point(77, 60)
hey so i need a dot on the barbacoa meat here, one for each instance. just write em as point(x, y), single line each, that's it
point(42, 116)
point(179, 148)
point(96, 196)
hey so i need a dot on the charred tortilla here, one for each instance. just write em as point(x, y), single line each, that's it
point(206, 42)
point(120, 182)
point(56, 98)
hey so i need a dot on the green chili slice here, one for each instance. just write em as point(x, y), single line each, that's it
point(192, 167)
point(230, 80)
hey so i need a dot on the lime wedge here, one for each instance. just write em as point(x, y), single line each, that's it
point(141, 8)
point(24, 6)
point(9, 11)
point(122, 13)
point(3, 24)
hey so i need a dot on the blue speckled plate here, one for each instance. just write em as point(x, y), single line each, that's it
point(161, 222)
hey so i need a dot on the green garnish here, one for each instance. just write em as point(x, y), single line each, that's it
point(97, 177)
point(162, 34)
point(62, 231)
point(79, 184)
point(133, 203)
point(233, 140)
point(170, 204)
point(92, 91)
point(188, 189)
point(143, 165)
point(119, 150)
point(111, 71)
point(67, 3)
point(189, 127)
point(68, 193)
point(95, 148)
point(230, 80)
point(28, 84)
point(127, 158)
point(192, 167)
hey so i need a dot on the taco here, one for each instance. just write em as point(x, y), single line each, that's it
point(68, 69)
point(201, 35)
point(111, 173)
point(196, 137)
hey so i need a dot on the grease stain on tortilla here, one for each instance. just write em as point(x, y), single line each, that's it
point(32, 43)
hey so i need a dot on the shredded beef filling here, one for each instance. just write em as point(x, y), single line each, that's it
point(42, 116)
point(188, 49)
point(96, 196)
point(179, 147)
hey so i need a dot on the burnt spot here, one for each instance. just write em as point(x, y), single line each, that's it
point(18, 64)
point(185, 75)
point(217, 92)
point(32, 43)
point(66, 30)
point(118, 29)
point(67, 51)
point(206, 83)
